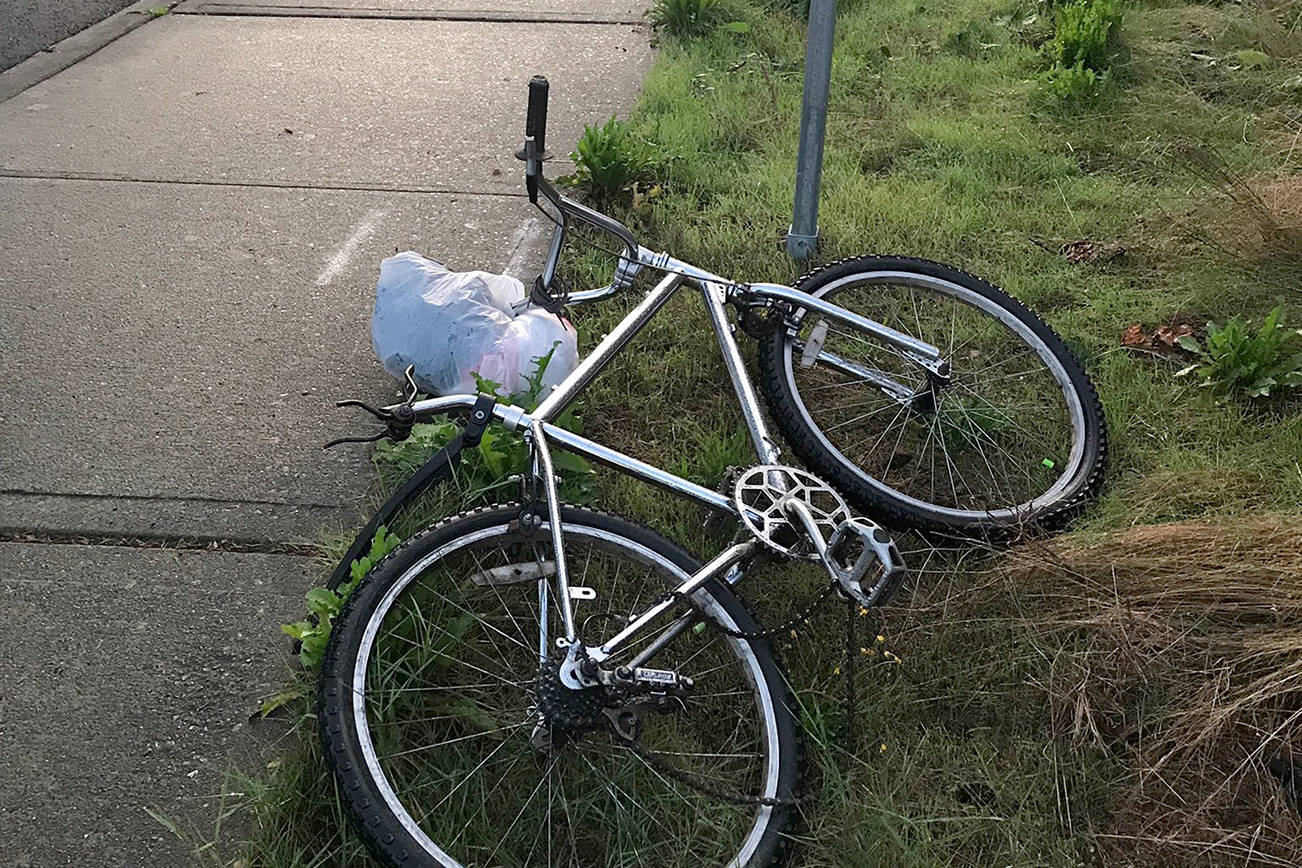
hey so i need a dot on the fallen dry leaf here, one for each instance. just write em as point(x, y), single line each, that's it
point(1135, 336)
point(1170, 335)
point(1162, 340)
point(1078, 252)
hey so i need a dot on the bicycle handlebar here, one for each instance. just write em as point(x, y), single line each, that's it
point(533, 153)
point(535, 123)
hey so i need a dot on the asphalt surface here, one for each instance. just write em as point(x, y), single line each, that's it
point(29, 26)
point(131, 680)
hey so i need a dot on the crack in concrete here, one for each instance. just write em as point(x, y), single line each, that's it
point(27, 175)
point(469, 16)
point(171, 498)
point(185, 522)
point(162, 541)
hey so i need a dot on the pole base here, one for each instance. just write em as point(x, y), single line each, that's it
point(801, 246)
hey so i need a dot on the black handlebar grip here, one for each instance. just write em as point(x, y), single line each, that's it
point(536, 121)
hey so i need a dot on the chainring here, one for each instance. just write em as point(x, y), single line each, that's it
point(762, 494)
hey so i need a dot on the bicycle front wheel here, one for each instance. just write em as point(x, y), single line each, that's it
point(1015, 437)
point(453, 746)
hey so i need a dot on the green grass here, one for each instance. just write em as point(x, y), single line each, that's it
point(949, 154)
point(944, 143)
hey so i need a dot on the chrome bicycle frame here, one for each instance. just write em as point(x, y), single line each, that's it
point(542, 432)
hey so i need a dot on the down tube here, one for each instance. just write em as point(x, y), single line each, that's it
point(639, 469)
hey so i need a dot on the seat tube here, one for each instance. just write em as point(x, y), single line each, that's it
point(545, 472)
point(715, 294)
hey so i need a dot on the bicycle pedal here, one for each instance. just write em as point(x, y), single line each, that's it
point(876, 547)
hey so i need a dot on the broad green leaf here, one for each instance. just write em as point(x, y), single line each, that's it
point(321, 601)
point(313, 649)
point(568, 461)
point(383, 543)
point(1272, 322)
point(487, 386)
point(494, 459)
point(1251, 58)
point(1261, 387)
point(298, 629)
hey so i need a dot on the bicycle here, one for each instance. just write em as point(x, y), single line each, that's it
point(541, 684)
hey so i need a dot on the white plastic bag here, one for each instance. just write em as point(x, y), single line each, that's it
point(450, 325)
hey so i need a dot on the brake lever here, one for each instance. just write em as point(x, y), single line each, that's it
point(398, 422)
point(337, 442)
point(382, 415)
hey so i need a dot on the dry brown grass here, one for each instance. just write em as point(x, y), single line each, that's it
point(1178, 649)
point(1270, 205)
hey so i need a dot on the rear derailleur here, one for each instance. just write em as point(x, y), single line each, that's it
point(576, 696)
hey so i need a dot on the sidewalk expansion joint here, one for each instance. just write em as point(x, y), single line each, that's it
point(469, 16)
point(170, 543)
point(18, 174)
point(167, 498)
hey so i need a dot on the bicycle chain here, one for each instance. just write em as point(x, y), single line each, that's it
point(684, 778)
point(848, 701)
point(750, 635)
point(800, 617)
point(767, 632)
point(849, 735)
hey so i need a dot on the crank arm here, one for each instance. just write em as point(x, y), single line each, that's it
point(848, 569)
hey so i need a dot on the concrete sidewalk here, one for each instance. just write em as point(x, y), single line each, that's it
point(191, 221)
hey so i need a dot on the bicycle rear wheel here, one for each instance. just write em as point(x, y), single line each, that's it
point(431, 695)
point(1015, 438)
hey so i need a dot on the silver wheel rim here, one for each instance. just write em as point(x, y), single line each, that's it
point(741, 650)
point(1028, 337)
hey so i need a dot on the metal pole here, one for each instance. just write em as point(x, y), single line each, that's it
point(802, 235)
